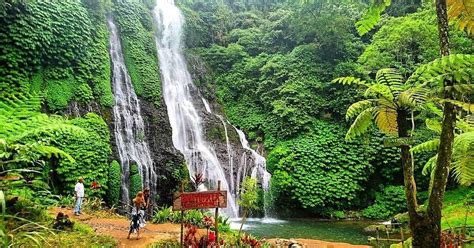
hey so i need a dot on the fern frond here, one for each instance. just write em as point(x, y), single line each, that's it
point(428, 146)
point(50, 151)
point(378, 89)
point(389, 77)
point(434, 109)
point(466, 106)
point(430, 165)
point(456, 67)
point(461, 14)
point(386, 120)
point(349, 81)
point(413, 98)
point(464, 126)
point(358, 107)
point(463, 158)
point(372, 16)
point(361, 124)
point(433, 125)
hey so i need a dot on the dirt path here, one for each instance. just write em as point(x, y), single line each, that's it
point(117, 227)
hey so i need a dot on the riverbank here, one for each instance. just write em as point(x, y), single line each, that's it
point(116, 226)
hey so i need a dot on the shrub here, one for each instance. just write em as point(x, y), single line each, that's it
point(113, 191)
point(317, 171)
point(83, 94)
point(387, 203)
point(135, 181)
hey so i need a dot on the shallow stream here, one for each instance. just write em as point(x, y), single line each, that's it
point(351, 232)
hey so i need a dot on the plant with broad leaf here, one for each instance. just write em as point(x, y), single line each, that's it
point(198, 179)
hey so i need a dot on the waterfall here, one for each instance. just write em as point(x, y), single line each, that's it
point(180, 94)
point(229, 156)
point(129, 128)
point(259, 171)
point(206, 105)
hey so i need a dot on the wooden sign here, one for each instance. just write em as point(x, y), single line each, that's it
point(197, 200)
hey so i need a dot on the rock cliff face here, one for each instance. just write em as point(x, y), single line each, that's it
point(168, 161)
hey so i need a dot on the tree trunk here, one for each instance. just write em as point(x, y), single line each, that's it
point(418, 223)
point(435, 201)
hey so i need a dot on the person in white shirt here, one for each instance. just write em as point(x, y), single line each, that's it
point(79, 194)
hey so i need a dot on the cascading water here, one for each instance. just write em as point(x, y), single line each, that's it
point(129, 127)
point(177, 91)
point(229, 156)
point(259, 171)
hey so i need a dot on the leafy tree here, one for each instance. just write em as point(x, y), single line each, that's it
point(391, 110)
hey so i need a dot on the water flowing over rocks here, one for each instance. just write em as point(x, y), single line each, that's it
point(129, 127)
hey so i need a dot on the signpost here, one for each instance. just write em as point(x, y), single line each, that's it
point(198, 200)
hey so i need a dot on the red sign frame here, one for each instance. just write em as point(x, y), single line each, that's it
point(198, 200)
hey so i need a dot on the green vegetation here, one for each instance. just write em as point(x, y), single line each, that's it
point(248, 198)
point(135, 181)
point(296, 76)
point(270, 66)
point(318, 171)
point(387, 203)
point(136, 30)
point(113, 192)
point(57, 44)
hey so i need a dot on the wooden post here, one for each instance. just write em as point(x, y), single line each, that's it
point(182, 217)
point(217, 216)
point(401, 234)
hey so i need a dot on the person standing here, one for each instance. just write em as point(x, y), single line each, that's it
point(137, 221)
point(79, 194)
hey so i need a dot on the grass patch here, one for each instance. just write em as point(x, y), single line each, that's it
point(455, 207)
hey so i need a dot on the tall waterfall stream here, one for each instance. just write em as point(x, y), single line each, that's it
point(180, 95)
point(129, 127)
